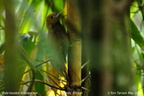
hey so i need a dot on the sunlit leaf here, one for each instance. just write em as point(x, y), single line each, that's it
point(134, 9)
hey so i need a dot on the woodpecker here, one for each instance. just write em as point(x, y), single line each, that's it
point(58, 41)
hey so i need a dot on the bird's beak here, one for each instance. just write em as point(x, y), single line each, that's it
point(58, 14)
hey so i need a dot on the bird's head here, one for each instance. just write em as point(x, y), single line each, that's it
point(53, 18)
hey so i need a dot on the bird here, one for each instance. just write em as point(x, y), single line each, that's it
point(58, 42)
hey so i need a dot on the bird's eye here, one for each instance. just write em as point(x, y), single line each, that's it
point(51, 17)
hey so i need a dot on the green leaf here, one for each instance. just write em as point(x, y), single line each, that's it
point(136, 36)
point(28, 41)
point(134, 9)
point(40, 88)
point(59, 4)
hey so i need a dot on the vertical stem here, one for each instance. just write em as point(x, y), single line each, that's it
point(11, 74)
point(74, 57)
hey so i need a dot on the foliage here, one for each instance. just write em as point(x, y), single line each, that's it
point(31, 15)
point(32, 35)
point(137, 43)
